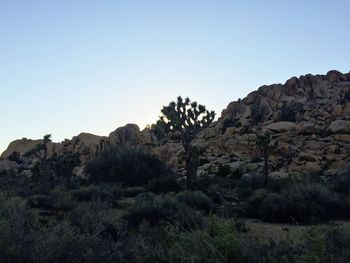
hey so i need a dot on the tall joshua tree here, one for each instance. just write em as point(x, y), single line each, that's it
point(188, 119)
point(263, 142)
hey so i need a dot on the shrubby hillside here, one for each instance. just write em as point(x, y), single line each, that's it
point(271, 184)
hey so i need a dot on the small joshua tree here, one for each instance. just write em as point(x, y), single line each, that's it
point(188, 119)
point(40, 151)
point(65, 164)
point(44, 168)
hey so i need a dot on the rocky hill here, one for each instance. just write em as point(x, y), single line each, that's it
point(308, 118)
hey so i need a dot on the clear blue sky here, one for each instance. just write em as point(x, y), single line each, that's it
point(68, 66)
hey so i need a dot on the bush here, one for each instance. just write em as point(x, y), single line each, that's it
point(164, 184)
point(17, 224)
point(306, 203)
point(132, 167)
point(216, 242)
point(89, 217)
point(188, 219)
point(196, 199)
point(337, 241)
point(98, 192)
point(62, 201)
point(258, 113)
point(64, 243)
point(133, 191)
point(152, 209)
point(255, 202)
point(40, 201)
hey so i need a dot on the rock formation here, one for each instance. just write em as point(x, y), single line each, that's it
point(308, 118)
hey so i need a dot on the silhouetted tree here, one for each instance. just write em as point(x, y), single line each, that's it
point(40, 151)
point(263, 142)
point(64, 165)
point(15, 157)
point(45, 166)
point(187, 118)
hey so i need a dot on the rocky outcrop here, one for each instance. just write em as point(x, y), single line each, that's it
point(308, 118)
point(87, 144)
point(130, 134)
point(24, 145)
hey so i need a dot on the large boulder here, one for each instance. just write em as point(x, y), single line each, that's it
point(339, 126)
point(126, 135)
point(282, 126)
point(334, 75)
point(312, 168)
point(87, 145)
point(309, 128)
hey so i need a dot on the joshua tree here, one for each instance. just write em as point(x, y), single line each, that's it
point(40, 152)
point(186, 118)
point(263, 142)
point(65, 164)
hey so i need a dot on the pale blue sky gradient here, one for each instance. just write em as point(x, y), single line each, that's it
point(71, 66)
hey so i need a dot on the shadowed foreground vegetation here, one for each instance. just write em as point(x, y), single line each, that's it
point(133, 208)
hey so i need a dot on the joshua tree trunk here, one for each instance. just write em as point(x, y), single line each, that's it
point(189, 166)
point(266, 166)
point(68, 182)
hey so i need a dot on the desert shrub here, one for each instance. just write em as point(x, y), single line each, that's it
point(203, 183)
point(152, 209)
point(196, 199)
point(316, 246)
point(143, 249)
point(224, 170)
point(187, 218)
point(40, 201)
point(98, 192)
point(337, 241)
point(216, 242)
point(255, 202)
point(62, 201)
point(164, 184)
point(258, 113)
point(15, 157)
point(92, 217)
point(232, 122)
point(289, 112)
point(288, 250)
point(132, 167)
point(17, 224)
point(243, 191)
point(340, 182)
point(64, 243)
point(310, 202)
point(133, 191)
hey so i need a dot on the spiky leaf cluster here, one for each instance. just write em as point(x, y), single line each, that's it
point(39, 148)
point(66, 162)
point(263, 140)
point(186, 117)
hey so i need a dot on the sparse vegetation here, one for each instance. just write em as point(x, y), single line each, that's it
point(130, 206)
